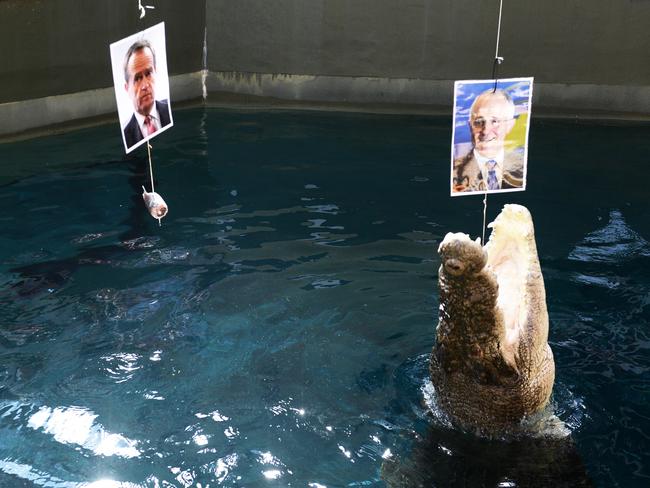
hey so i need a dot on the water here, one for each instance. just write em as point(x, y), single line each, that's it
point(275, 330)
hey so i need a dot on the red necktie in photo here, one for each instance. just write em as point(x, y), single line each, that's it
point(149, 125)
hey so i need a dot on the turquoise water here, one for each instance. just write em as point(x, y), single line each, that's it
point(275, 330)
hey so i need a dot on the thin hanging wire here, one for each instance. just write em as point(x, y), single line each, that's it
point(496, 52)
point(150, 167)
point(497, 61)
point(484, 216)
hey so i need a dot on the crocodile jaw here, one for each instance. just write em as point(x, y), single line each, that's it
point(491, 365)
point(509, 258)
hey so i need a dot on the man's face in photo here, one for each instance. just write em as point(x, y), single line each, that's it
point(490, 121)
point(142, 80)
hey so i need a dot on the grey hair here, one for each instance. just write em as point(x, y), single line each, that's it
point(489, 93)
point(137, 46)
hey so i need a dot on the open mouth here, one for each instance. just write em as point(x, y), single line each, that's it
point(491, 338)
point(508, 257)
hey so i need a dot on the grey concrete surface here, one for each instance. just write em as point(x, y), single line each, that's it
point(57, 47)
point(576, 99)
point(311, 88)
point(27, 115)
point(556, 41)
point(585, 56)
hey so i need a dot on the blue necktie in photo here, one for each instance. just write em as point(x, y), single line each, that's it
point(492, 182)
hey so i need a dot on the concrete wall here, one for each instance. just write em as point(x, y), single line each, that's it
point(557, 41)
point(55, 60)
point(583, 54)
point(54, 47)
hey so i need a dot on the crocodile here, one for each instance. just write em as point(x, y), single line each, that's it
point(491, 365)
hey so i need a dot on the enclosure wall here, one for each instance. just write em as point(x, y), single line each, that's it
point(56, 47)
point(585, 56)
point(582, 54)
point(55, 60)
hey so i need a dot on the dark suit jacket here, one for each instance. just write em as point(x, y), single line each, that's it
point(468, 176)
point(132, 132)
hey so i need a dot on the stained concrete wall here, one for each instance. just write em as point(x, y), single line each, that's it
point(582, 53)
point(55, 60)
point(556, 41)
point(54, 47)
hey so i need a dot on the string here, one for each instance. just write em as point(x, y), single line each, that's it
point(484, 216)
point(495, 74)
point(153, 190)
point(150, 167)
point(496, 52)
point(497, 61)
point(142, 9)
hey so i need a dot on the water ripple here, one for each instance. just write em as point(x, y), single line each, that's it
point(76, 425)
point(615, 243)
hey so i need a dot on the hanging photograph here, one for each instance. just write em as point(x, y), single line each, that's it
point(489, 145)
point(141, 86)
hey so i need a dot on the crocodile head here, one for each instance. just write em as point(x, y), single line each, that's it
point(491, 364)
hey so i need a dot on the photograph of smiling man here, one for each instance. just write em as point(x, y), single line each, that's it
point(141, 85)
point(490, 136)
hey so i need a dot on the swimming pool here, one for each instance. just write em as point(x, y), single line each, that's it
point(275, 330)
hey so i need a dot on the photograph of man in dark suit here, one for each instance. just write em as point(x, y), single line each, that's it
point(489, 165)
point(150, 115)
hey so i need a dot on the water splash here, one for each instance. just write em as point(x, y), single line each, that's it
point(545, 424)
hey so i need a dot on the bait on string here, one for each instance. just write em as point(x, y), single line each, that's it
point(154, 202)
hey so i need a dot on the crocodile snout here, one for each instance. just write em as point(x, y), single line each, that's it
point(454, 266)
